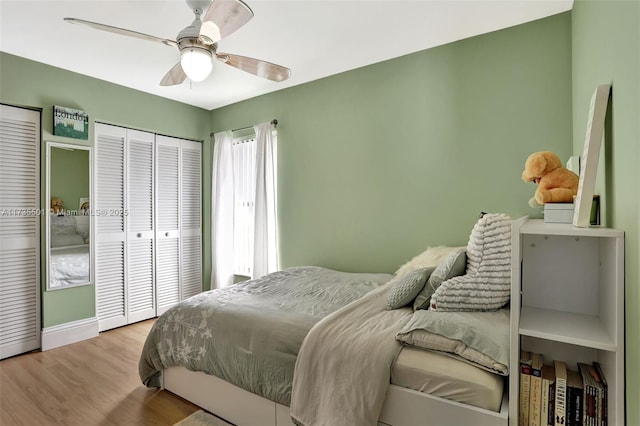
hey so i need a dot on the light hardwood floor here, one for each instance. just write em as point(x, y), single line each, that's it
point(94, 382)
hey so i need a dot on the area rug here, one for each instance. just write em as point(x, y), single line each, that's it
point(202, 418)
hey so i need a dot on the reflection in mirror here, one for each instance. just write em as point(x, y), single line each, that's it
point(69, 219)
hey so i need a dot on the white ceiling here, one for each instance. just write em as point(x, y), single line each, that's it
point(315, 38)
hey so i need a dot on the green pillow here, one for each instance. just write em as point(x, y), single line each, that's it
point(406, 287)
point(453, 265)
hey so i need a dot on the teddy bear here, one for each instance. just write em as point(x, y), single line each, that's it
point(556, 184)
point(57, 205)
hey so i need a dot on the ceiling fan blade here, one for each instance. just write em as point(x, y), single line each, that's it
point(260, 68)
point(175, 76)
point(222, 18)
point(121, 31)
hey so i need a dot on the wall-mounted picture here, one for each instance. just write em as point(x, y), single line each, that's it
point(70, 123)
point(84, 205)
point(590, 156)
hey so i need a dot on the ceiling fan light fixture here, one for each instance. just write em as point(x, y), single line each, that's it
point(196, 63)
point(209, 33)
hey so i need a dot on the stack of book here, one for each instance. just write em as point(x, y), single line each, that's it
point(554, 395)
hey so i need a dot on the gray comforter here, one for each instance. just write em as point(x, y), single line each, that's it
point(249, 334)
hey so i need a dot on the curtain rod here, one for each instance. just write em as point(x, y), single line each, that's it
point(274, 123)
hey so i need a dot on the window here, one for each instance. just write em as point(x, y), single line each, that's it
point(244, 229)
point(244, 173)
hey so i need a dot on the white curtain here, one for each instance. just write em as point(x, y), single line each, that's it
point(222, 200)
point(265, 258)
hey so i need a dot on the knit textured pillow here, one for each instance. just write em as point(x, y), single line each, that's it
point(406, 287)
point(454, 264)
point(486, 285)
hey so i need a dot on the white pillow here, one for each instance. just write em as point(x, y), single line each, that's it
point(431, 257)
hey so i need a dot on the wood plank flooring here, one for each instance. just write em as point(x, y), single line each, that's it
point(94, 382)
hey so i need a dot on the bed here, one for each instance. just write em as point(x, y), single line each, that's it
point(69, 266)
point(423, 382)
point(314, 346)
point(69, 261)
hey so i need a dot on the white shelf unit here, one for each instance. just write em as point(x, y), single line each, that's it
point(568, 302)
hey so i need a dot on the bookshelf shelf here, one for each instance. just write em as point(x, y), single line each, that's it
point(566, 327)
point(568, 303)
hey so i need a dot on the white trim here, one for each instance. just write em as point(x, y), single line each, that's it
point(70, 332)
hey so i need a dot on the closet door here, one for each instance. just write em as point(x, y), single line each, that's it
point(191, 218)
point(167, 223)
point(140, 226)
point(179, 218)
point(19, 230)
point(110, 245)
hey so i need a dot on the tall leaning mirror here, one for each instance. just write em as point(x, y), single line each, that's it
point(69, 236)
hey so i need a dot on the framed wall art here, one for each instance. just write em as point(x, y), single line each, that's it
point(70, 123)
point(590, 156)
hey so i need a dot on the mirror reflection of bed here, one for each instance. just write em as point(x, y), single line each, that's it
point(69, 219)
point(69, 263)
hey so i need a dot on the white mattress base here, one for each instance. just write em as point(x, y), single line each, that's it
point(402, 407)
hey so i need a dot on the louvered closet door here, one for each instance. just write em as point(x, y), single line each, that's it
point(19, 230)
point(191, 218)
point(109, 212)
point(167, 223)
point(140, 274)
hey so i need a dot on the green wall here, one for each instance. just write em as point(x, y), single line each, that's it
point(378, 163)
point(606, 50)
point(28, 83)
point(69, 176)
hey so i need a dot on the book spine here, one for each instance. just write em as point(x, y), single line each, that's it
point(591, 405)
point(534, 397)
point(525, 387)
point(570, 408)
point(598, 399)
point(552, 404)
point(604, 394)
point(577, 409)
point(585, 399)
point(589, 402)
point(561, 401)
point(544, 402)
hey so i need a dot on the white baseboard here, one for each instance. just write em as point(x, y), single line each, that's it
point(70, 332)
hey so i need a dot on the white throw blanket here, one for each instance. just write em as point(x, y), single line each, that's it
point(344, 365)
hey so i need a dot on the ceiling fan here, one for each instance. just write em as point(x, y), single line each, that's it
point(198, 43)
